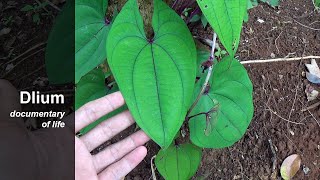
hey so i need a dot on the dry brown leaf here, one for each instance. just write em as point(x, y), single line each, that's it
point(290, 166)
point(311, 93)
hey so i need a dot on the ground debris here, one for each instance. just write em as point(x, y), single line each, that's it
point(314, 72)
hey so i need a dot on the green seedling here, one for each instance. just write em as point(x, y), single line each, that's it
point(35, 10)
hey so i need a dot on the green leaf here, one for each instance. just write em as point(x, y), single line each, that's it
point(272, 3)
point(195, 18)
point(90, 87)
point(91, 34)
point(226, 17)
point(317, 3)
point(36, 18)
point(204, 21)
point(42, 5)
point(231, 95)
point(178, 162)
point(246, 17)
point(156, 77)
point(26, 8)
point(60, 47)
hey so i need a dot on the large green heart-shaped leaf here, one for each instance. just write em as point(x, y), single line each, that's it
point(60, 47)
point(90, 87)
point(178, 162)
point(91, 33)
point(226, 17)
point(156, 76)
point(222, 115)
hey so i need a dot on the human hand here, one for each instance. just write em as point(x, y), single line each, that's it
point(115, 161)
point(48, 153)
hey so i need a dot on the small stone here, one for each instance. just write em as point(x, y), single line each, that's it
point(280, 76)
point(291, 132)
point(235, 177)
point(5, 31)
point(306, 170)
point(272, 55)
point(260, 20)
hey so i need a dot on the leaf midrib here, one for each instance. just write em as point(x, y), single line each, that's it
point(157, 88)
point(93, 37)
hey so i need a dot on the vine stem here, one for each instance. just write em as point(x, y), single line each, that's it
point(206, 82)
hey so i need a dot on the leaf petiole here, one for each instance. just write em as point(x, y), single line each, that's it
point(206, 83)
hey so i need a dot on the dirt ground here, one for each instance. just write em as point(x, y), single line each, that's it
point(278, 87)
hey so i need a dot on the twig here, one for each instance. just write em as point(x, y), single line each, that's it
point(311, 114)
point(311, 107)
point(314, 118)
point(275, 42)
point(154, 177)
point(53, 5)
point(6, 74)
point(306, 26)
point(9, 55)
point(36, 70)
point(274, 160)
point(314, 22)
point(279, 60)
point(292, 143)
point(206, 82)
point(275, 113)
point(294, 102)
point(27, 51)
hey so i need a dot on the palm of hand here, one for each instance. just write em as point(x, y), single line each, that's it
point(115, 161)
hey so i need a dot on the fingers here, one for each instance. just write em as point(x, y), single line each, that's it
point(107, 129)
point(116, 151)
point(9, 100)
point(125, 165)
point(93, 110)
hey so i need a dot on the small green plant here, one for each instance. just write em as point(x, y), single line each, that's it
point(35, 10)
point(7, 20)
point(167, 83)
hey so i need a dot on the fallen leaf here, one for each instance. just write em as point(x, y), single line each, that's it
point(290, 166)
point(311, 93)
point(314, 72)
point(5, 31)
